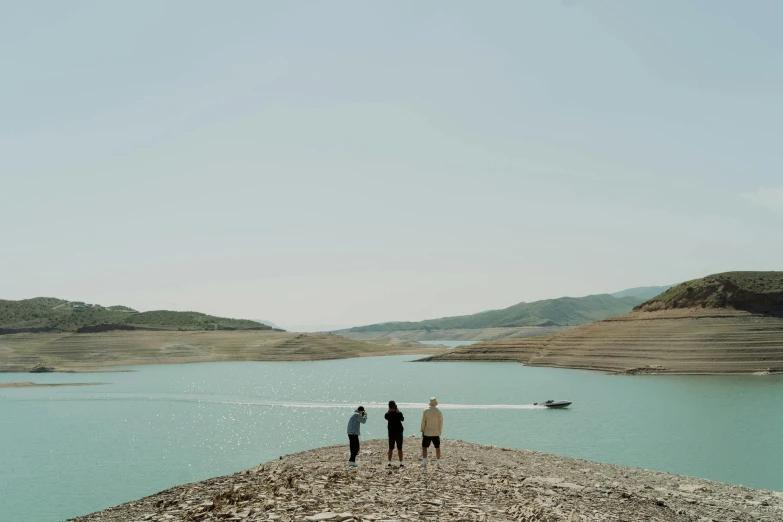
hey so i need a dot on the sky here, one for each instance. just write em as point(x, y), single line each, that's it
point(329, 164)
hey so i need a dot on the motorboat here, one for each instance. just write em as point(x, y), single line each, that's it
point(551, 403)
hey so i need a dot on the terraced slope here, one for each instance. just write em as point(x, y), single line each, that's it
point(685, 330)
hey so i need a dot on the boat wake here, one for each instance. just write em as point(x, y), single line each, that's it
point(283, 404)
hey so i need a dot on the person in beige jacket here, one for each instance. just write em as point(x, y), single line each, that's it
point(431, 428)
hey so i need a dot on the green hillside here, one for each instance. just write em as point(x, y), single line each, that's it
point(165, 319)
point(753, 291)
point(47, 313)
point(565, 311)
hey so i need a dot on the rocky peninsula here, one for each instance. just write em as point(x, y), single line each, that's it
point(730, 323)
point(474, 483)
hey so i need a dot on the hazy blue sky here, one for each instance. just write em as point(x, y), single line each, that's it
point(338, 163)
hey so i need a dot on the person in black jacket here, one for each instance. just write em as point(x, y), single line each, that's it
point(394, 417)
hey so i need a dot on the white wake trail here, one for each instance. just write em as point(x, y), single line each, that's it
point(284, 404)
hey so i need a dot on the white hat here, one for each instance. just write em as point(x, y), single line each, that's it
point(433, 401)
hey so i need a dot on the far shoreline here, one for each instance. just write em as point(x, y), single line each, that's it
point(28, 384)
point(111, 351)
point(158, 363)
point(606, 371)
point(420, 357)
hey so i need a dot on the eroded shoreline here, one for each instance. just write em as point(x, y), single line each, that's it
point(94, 352)
point(669, 342)
point(28, 384)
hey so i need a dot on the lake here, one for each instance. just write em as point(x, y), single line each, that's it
point(71, 450)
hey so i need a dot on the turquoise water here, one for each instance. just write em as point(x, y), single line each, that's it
point(72, 450)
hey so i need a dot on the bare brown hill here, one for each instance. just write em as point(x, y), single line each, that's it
point(85, 352)
point(725, 323)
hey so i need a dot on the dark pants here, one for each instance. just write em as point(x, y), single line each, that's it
point(354, 442)
point(395, 438)
point(425, 441)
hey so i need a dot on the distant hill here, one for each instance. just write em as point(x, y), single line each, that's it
point(268, 323)
point(565, 311)
point(643, 292)
point(51, 314)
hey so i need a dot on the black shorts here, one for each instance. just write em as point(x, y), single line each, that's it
point(395, 438)
point(425, 442)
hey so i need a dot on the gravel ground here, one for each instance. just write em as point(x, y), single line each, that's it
point(473, 483)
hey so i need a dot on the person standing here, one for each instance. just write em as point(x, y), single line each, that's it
point(431, 428)
point(358, 418)
point(394, 420)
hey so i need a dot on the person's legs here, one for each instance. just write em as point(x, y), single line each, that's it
point(425, 443)
point(354, 443)
point(391, 447)
point(436, 443)
point(399, 447)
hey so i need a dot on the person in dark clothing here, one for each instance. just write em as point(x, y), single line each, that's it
point(395, 418)
point(358, 418)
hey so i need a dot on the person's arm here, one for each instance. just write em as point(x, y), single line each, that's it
point(402, 417)
point(440, 422)
point(386, 416)
point(363, 418)
point(423, 421)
